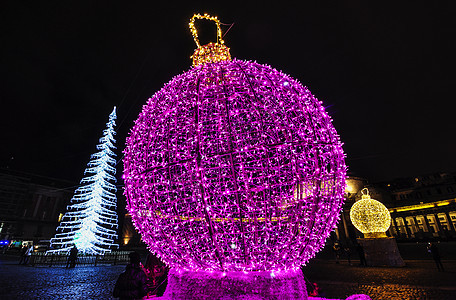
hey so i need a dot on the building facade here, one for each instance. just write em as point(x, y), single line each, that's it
point(423, 208)
point(31, 205)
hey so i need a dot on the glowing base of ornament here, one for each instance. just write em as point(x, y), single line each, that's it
point(200, 285)
point(381, 252)
point(375, 235)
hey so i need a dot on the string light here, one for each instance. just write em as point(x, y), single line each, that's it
point(212, 52)
point(370, 216)
point(91, 219)
point(234, 166)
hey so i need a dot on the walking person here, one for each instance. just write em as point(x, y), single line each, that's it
point(347, 252)
point(132, 284)
point(72, 257)
point(22, 254)
point(27, 255)
point(336, 249)
point(362, 257)
point(434, 250)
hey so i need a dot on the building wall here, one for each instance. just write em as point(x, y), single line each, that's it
point(14, 194)
point(423, 208)
point(30, 205)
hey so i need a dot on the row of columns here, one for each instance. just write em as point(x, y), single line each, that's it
point(343, 233)
point(450, 225)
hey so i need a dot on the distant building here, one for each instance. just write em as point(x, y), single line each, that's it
point(31, 205)
point(423, 208)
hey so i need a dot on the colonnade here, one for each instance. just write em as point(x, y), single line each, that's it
point(419, 224)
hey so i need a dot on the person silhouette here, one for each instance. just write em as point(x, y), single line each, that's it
point(337, 249)
point(132, 284)
point(23, 252)
point(362, 257)
point(72, 257)
point(434, 250)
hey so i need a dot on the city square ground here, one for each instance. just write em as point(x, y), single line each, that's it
point(419, 279)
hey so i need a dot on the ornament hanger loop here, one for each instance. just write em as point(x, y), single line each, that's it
point(195, 32)
point(365, 193)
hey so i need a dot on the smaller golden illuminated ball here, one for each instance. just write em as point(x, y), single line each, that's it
point(370, 216)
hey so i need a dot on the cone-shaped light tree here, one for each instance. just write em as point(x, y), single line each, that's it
point(90, 222)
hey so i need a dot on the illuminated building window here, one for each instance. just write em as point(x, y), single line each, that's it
point(401, 225)
point(411, 225)
point(421, 223)
point(443, 221)
point(432, 225)
point(452, 215)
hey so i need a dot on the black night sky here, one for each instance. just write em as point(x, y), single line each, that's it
point(384, 71)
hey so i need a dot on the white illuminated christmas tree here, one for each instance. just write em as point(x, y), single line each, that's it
point(90, 222)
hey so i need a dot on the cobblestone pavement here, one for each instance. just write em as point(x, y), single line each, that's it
point(419, 280)
point(87, 282)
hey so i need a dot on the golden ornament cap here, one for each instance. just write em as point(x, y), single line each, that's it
point(212, 52)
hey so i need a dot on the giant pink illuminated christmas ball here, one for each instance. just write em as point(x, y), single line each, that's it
point(234, 166)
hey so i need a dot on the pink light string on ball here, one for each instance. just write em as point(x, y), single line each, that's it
point(234, 166)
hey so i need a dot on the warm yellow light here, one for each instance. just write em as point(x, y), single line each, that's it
point(353, 185)
point(212, 52)
point(370, 216)
point(422, 205)
point(349, 187)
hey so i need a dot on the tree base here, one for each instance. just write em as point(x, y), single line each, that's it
point(205, 285)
